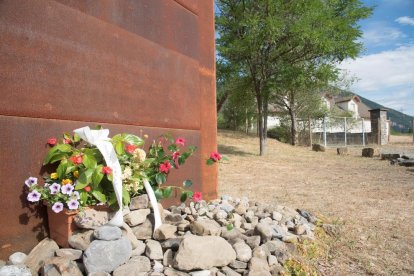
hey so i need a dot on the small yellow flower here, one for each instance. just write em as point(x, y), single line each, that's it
point(66, 181)
point(76, 174)
point(54, 175)
point(146, 136)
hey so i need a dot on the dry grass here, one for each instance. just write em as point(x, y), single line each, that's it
point(372, 200)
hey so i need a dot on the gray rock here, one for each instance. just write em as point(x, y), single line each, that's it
point(253, 241)
point(200, 273)
point(92, 219)
point(205, 227)
point(64, 266)
point(40, 253)
point(69, 253)
point(154, 250)
point(226, 206)
point(139, 202)
point(168, 258)
point(107, 233)
point(158, 267)
point(99, 273)
point(368, 152)
point(342, 151)
point(243, 251)
point(229, 272)
point(277, 216)
point(238, 265)
point(164, 232)
point(221, 214)
point(133, 267)
point(278, 231)
point(14, 270)
point(172, 243)
point(127, 232)
point(137, 217)
point(106, 255)
point(271, 260)
point(17, 258)
point(260, 253)
point(318, 147)
point(230, 234)
point(143, 231)
point(174, 219)
point(172, 272)
point(259, 265)
point(81, 240)
point(265, 231)
point(275, 246)
point(139, 249)
point(197, 252)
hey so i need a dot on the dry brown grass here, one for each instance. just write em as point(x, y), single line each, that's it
point(372, 200)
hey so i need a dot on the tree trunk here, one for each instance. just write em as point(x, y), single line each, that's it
point(293, 124)
point(261, 125)
point(221, 101)
point(265, 116)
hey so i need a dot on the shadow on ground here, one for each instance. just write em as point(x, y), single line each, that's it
point(233, 150)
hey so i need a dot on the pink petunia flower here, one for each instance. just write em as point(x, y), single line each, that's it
point(54, 188)
point(197, 196)
point(165, 167)
point(33, 196)
point(215, 156)
point(73, 204)
point(107, 170)
point(130, 148)
point(30, 181)
point(78, 159)
point(57, 207)
point(52, 141)
point(180, 141)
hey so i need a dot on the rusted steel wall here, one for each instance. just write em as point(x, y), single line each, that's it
point(139, 66)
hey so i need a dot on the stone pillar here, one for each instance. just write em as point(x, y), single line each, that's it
point(379, 129)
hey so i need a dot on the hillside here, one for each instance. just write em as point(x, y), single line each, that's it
point(399, 121)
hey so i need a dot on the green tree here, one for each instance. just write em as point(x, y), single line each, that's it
point(262, 37)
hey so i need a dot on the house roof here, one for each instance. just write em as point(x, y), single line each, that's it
point(347, 99)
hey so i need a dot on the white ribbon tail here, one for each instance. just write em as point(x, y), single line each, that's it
point(154, 204)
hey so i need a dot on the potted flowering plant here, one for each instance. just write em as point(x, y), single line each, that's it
point(82, 178)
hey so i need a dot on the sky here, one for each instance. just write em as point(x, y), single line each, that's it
point(385, 69)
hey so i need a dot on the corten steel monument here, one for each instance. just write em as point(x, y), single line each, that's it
point(142, 66)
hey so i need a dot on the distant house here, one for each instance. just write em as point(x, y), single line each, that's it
point(352, 104)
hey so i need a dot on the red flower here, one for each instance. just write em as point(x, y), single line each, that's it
point(197, 196)
point(175, 158)
point(180, 141)
point(88, 189)
point(67, 141)
point(130, 148)
point(77, 159)
point(106, 170)
point(165, 167)
point(52, 141)
point(215, 156)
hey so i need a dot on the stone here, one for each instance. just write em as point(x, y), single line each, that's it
point(168, 259)
point(200, 273)
point(230, 234)
point(92, 219)
point(342, 151)
point(221, 214)
point(238, 264)
point(277, 216)
point(174, 219)
point(106, 255)
point(164, 232)
point(158, 267)
point(133, 267)
point(197, 252)
point(14, 270)
point(99, 273)
point(278, 231)
point(390, 156)
point(368, 152)
point(265, 231)
point(290, 239)
point(229, 272)
point(107, 233)
point(259, 252)
point(154, 250)
point(127, 232)
point(226, 206)
point(184, 226)
point(69, 253)
point(137, 217)
point(64, 266)
point(139, 249)
point(243, 251)
point(308, 216)
point(253, 241)
point(139, 202)
point(205, 227)
point(40, 253)
point(259, 265)
point(172, 243)
point(172, 272)
point(143, 231)
point(318, 147)
point(299, 229)
point(271, 260)
point(17, 258)
point(81, 240)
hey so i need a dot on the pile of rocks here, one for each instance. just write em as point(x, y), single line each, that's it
point(398, 159)
point(221, 237)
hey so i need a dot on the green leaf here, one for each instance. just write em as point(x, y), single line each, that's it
point(95, 153)
point(99, 195)
point(160, 178)
point(84, 179)
point(76, 138)
point(158, 194)
point(97, 176)
point(187, 183)
point(133, 139)
point(89, 161)
point(183, 197)
point(56, 153)
point(67, 136)
point(119, 147)
point(210, 162)
point(83, 197)
point(110, 177)
point(167, 192)
point(57, 157)
point(192, 149)
point(61, 169)
point(172, 147)
point(70, 169)
point(126, 199)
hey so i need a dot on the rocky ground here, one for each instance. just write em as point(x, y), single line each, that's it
point(223, 237)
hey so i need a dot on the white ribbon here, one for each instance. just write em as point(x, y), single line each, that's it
point(154, 204)
point(100, 139)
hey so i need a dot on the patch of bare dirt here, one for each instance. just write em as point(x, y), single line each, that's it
point(372, 200)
